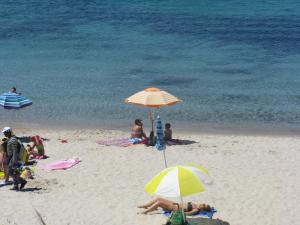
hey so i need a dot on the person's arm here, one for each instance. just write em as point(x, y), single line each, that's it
point(25, 139)
point(192, 212)
point(144, 135)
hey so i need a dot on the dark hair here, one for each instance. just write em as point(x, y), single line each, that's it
point(137, 121)
point(207, 208)
point(7, 132)
point(167, 125)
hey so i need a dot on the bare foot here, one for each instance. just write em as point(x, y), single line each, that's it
point(142, 207)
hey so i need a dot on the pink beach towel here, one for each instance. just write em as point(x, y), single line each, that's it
point(121, 142)
point(61, 165)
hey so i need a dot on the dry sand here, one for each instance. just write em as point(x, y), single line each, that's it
point(256, 180)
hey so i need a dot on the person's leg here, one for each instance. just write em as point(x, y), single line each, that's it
point(162, 203)
point(18, 180)
point(145, 206)
point(11, 172)
point(154, 201)
point(33, 154)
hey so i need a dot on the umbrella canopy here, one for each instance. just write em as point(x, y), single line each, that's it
point(160, 143)
point(153, 98)
point(14, 101)
point(179, 181)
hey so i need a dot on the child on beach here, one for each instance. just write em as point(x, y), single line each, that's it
point(32, 153)
point(168, 136)
point(168, 132)
point(38, 143)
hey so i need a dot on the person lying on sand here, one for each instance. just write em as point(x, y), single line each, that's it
point(167, 205)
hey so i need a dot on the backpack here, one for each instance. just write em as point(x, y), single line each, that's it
point(177, 218)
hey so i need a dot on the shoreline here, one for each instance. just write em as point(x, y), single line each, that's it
point(179, 128)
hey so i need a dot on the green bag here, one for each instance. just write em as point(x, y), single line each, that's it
point(176, 218)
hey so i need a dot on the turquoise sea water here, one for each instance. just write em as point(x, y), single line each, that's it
point(232, 62)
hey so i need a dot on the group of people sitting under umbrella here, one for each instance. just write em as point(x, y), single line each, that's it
point(138, 134)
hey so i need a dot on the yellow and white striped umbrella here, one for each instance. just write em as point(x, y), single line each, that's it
point(179, 181)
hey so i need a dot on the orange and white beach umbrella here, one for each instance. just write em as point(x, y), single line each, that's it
point(153, 98)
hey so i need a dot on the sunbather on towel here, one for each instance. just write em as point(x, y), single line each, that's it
point(189, 208)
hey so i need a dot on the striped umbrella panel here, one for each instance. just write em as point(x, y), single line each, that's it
point(179, 181)
point(14, 101)
point(160, 143)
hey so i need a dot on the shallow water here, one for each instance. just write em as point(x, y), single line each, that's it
point(231, 62)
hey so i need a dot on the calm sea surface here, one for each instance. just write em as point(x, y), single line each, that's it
point(233, 63)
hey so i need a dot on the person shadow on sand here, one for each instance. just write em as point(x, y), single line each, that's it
point(169, 140)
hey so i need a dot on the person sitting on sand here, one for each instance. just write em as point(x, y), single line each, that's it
point(137, 130)
point(31, 152)
point(38, 144)
point(168, 132)
point(168, 136)
point(167, 205)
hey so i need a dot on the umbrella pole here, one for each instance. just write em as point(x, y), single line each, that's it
point(182, 210)
point(152, 119)
point(165, 158)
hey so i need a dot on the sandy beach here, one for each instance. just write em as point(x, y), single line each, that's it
point(256, 179)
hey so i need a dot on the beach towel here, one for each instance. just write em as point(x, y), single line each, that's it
point(39, 157)
point(121, 142)
point(62, 164)
point(202, 214)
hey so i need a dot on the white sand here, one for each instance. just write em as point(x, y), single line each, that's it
point(256, 180)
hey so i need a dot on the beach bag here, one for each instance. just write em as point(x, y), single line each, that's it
point(23, 154)
point(176, 218)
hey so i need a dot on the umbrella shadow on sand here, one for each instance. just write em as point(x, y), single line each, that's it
point(206, 221)
point(180, 142)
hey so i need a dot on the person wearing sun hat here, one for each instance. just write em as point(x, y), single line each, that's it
point(13, 158)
